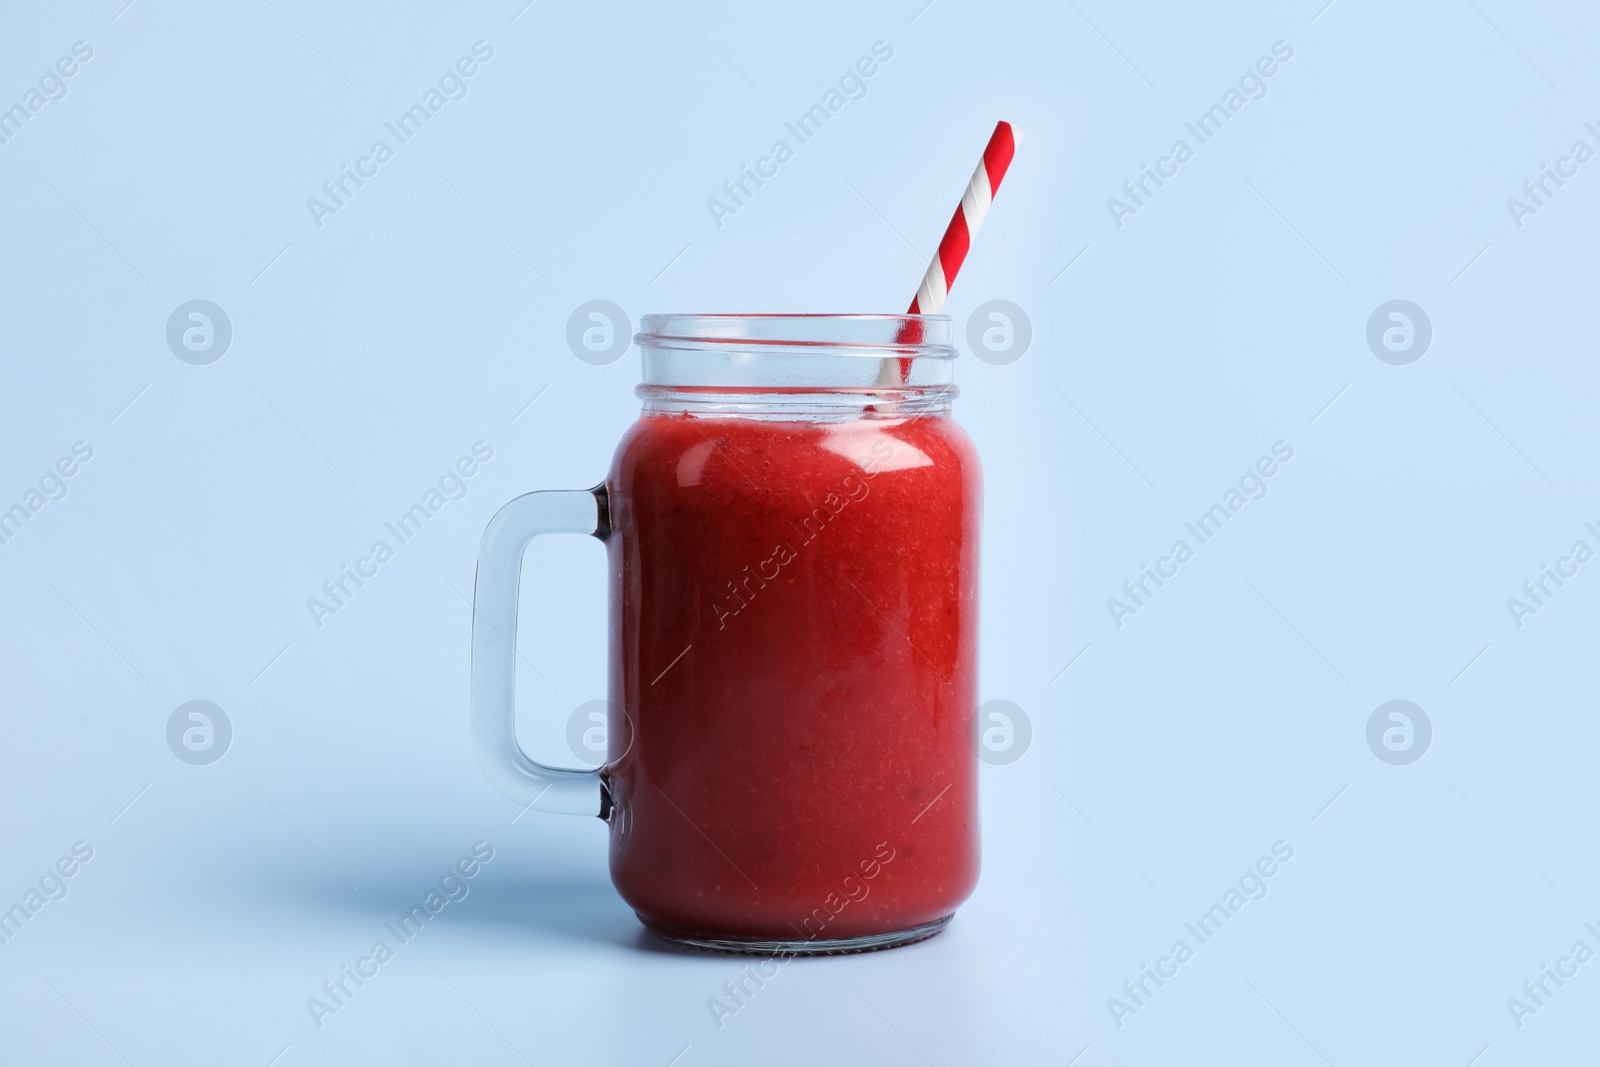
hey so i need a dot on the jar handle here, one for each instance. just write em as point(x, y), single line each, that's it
point(573, 791)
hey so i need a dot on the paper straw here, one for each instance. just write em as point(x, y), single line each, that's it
point(964, 223)
point(956, 241)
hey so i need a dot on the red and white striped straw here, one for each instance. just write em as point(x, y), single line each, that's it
point(964, 224)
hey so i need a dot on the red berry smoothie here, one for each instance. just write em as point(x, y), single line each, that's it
point(794, 627)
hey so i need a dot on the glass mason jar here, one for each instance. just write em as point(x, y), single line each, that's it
point(792, 530)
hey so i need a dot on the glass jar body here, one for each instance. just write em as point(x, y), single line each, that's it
point(794, 643)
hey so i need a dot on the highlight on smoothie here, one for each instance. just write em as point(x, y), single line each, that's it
point(792, 529)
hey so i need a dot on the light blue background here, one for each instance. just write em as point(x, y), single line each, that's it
point(424, 316)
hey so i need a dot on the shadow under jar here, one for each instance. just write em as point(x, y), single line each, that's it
point(792, 533)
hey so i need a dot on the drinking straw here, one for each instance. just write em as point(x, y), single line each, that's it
point(965, 222)
point(957, 239)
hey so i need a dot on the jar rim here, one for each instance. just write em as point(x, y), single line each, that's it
point(862, 335)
